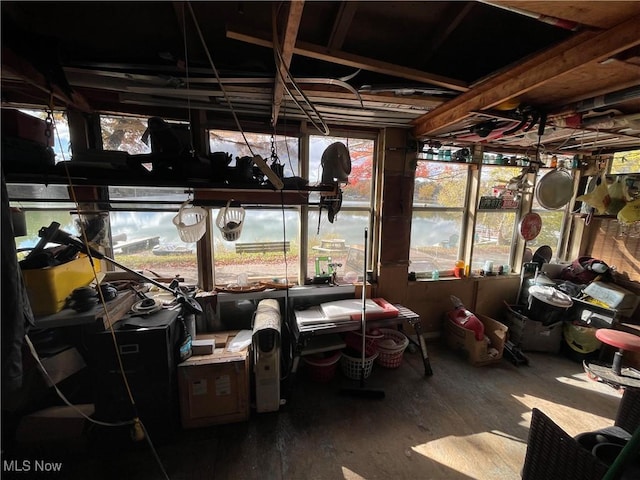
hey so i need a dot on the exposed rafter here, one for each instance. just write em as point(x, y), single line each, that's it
point(342, 24)
point(287, 45)
point(585, 47)
point(356, 61)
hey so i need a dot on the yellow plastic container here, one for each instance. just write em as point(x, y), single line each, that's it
point(49, 287)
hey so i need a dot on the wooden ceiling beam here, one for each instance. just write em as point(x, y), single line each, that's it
point(17, 67)
point(342, 25)
point(355, 61)
point(454, 15)
point(583, 48)
point(286, 52)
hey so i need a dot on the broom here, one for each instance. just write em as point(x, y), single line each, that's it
point(361, 390)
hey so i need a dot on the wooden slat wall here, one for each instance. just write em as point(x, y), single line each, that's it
point(608, 241)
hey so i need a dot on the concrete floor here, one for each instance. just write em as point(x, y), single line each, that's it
point(462, 423)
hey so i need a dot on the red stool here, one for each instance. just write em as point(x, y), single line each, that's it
point(622, 341)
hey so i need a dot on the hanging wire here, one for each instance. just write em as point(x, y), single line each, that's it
point(192, 150)
point(215, 71)
point(135, 421)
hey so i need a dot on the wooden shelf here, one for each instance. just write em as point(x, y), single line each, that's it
point(205, 192)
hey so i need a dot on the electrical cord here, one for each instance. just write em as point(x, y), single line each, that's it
point(220, 84)
point(138, 431)
point(44, 371)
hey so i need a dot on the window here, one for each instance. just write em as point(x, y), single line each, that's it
point(626, 162)
point(143, 235)
point(266, 225)
point(494, 231)
point(124, 134)
point(42, 205)
point(60, 140)
point(341, 242)
point(438, 215)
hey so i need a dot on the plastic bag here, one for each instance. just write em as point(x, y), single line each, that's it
point(616, 194)
point(599, 198)
point(241, 340)
point(630, 213)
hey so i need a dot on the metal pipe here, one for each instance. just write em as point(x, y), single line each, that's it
point(555, 21)
point(608, 99)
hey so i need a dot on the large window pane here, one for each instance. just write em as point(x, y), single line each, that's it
point(494, 231)
point(124, 134)
point(492, 239)
point(340, 243)
point(358, 191)
point(440, 184)
point(435, 240)
point(437, 222)
point(262, 225)
point(233, 143)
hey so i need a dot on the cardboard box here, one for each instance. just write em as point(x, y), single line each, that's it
point(358, 290)
point(53, 424)
point(478, 351)
point(49, 287)
point(214, 388)
point(531, 335)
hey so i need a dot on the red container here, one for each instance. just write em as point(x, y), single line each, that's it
point(321, 368)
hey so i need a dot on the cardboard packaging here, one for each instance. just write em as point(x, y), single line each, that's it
point(59, 427)
point(49, 287)
point(358, 290)
point(613, 296)
point(214, 388)
point(478, 352)
point(530, 335)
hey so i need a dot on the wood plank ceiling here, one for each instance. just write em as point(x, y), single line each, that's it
point(497, 73)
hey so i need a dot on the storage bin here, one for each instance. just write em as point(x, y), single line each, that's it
point(479, 352)
point(49, 287)
point(322, 368)
point(531, 335)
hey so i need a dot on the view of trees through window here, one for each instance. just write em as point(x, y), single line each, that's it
point(338, 245)
point(438, 210)
point(144, 236)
